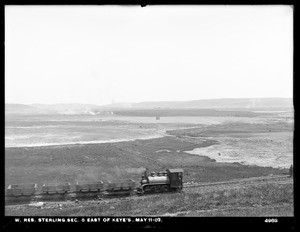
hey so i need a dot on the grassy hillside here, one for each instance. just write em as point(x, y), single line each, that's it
point(266, 200)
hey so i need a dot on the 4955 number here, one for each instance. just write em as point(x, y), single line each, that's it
point(271, 220)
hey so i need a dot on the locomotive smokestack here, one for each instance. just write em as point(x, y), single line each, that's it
point(146, 172)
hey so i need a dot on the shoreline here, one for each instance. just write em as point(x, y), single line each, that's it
point(49, 145)
point(108, 143)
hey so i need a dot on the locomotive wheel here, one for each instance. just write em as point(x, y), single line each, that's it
point(146, 189)
point(164, 188)
point(157, 189)
point(152, 189)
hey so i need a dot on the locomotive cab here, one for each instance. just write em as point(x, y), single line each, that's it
point(175, 178)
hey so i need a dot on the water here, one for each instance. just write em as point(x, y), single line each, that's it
point(63, 130)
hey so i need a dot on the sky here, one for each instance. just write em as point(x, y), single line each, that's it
point(109, 54)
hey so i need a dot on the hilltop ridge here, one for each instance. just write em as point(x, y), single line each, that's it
point(223, 103)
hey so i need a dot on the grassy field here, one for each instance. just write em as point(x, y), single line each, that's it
point(267, 200)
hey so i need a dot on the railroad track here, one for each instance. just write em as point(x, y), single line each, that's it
point(223, 187)
point(264, 180)
point(189, 186)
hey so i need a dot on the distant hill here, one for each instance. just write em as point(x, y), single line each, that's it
point(119, 105)
point(65, 108)
point(48, 109)
point(234, 103)
point(225, 103)
point(22, 109)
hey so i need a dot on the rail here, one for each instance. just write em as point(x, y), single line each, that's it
point(245, 182)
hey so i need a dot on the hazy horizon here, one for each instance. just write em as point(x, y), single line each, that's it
point(113, 54)
point(38, 103)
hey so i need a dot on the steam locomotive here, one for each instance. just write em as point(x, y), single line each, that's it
point(168, 181)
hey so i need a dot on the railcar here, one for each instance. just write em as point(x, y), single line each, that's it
point(125, 187)
point(56, 188)
point(21, 190)
point(85, 187)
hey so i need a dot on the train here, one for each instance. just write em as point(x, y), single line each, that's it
point(167, 181)
point(170, 180)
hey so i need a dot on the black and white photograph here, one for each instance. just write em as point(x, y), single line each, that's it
point(145, 114)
